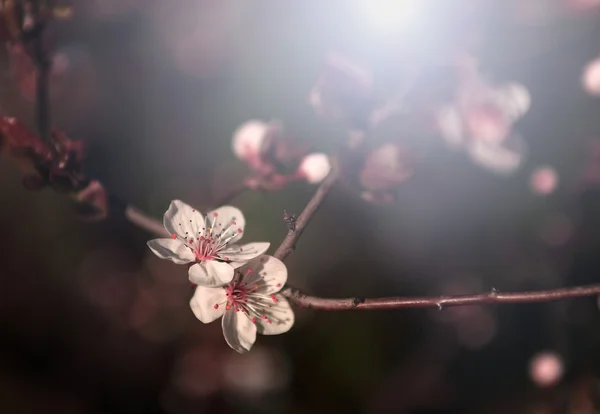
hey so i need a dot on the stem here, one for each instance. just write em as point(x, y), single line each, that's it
point(439, 302)
point(288, 244)
point(145, 222)
point(43, 65)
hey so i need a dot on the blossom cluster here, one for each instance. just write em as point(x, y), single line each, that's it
point(237, 282)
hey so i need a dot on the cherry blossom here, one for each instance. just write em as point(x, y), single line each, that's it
point(546, 368)
point(208, 242)
point(263, 147)
point(544, 180)
point(481, 121)
point(385, 168)
point(590, 78)
point(249, 304)
point(314, 167)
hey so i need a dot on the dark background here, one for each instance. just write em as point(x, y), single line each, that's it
point(92, 322)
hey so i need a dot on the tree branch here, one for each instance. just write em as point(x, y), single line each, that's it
point(439, 302)
point(288, 244)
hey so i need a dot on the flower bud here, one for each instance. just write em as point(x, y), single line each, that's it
point(314, 167)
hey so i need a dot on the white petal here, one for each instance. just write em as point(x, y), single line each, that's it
point(268, 272)
point(515, 99)
point(181, 218)
point(590, 79)
point(203, 303)
point(315, 167)
point(281, 316)
point(242, 253)
point(173, 250)
point(248, 138)
point(227, 218)
point(239, 331)
point(450, 125)
point(503, 158)
point(211, 273)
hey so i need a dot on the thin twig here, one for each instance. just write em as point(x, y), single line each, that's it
point(145, 222)
point(288, 244)
point(439, 302)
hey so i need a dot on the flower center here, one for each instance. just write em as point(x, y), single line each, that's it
point(243, 296)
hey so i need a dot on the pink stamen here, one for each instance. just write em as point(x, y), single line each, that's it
point(173, 236)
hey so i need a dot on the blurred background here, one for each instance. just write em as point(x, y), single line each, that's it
point(92, 322)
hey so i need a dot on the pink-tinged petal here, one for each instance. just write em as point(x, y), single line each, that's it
point(228, 221)
point(280, 318)
point(590, 79)
point(183, 220)
point(239, 331)
point(211, 273)
point(208, 304)
point(268, 272)
point(248, 139)
point(173, 250)
point(514, 99)
point(242, 253)
point(314, 167)
point(504, 158)
point(450, 125)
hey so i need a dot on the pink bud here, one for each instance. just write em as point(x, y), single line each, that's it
point(544, 180)
point(590, 78)
point(546, 368)
point(248, 138)
point(314, 167)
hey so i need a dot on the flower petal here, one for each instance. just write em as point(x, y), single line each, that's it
point(281, 316)
point(183, 220)
point(227, 220)
point(450, 125)
point(268, 272)
point(514, 99)
point(248, 138)
point(242, 253)
point(239, 331)
point(502, 158)
point(211, 273)
point(203, 303)
point(173, 250)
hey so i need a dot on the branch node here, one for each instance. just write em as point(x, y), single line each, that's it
point(357, 301)
point(494, 292)
point(290, 219)
point(440, 306)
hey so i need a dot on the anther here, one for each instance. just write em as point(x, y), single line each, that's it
point(274, 298)
point(228, 307)
point(216, 306)
point(173, 236)
point(215, 214)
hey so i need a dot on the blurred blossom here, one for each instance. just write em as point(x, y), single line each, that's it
point(546, 368)
point(112, 9)
point(544, 180)
point(481, 121)
point(556, 230)
point(590, 79)
point(208, 242)
point(343, 92)
point(591, 172)
point(385, 168)
point(273, 158)
point(263, 371)
point(250, 304)
point(582, 5)
point(477, 329)
point(199, 371)
point(314, 168)
point(199, 34)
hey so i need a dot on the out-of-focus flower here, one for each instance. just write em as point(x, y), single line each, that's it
point(590, 78)
point(92, 202)
point(249, 304)
point(546, 368)
point(385, 168)
point(481, 121)
point(544, 180)
point(314, 167)
point(260, 372)
point(59, 165)
point(208, 242)
point(344, 92)
point(273, 158)
point(582, 5)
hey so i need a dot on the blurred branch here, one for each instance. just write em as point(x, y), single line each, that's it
point(439, 302)
point(145, 222)
point(288, 245)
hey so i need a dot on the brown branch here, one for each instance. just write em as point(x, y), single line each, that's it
point(288, 244)
point(439, 302)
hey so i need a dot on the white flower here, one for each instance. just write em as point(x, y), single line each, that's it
point(248, 139)
point(249, 304)
point(481, 121)
point(209, 242)
point(314, 168)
